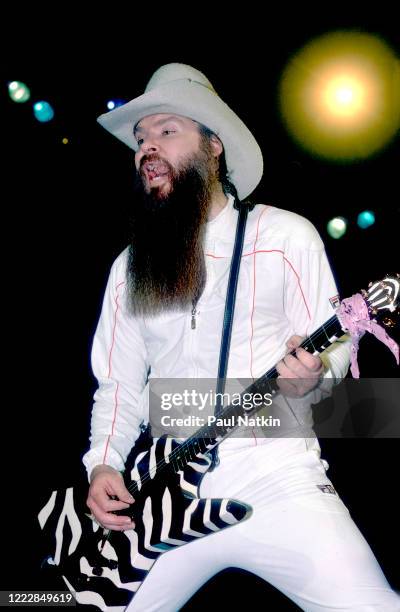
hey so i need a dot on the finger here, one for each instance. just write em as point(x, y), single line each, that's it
point(284, 370)
point(110, 505)
point(109, 520)
point(106, 486)
point(120, 528)
point(294, 367)
point(302, 366)
point(311, 362)
point(98, 493)
point(294, 341)
point(113, 527)
point(115, 486)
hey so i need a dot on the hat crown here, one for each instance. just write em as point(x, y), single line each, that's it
point(174, 72)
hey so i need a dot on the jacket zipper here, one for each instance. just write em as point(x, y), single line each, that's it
point(194, 312)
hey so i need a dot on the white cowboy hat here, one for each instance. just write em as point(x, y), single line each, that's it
point(180, 89)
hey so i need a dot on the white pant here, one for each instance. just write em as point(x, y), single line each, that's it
point(299, 538)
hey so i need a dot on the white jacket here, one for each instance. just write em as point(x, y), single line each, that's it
point(284, 288)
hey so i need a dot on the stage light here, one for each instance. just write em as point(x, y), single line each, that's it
point(43, 111)
point(344, 97)
point(111, 104)
point(337, 227)
point(365, 219)
point(65, 141)
point(340, 96)
point(18, 92)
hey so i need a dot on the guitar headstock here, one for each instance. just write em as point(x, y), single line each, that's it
point(384, 295)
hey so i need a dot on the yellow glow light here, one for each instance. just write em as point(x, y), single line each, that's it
point(345, 97)
point(340, 95)
point(65, 141)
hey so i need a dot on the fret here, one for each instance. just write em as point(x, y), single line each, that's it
point(310, 343)
point(327, 337)
point(188, 453)
point(197, 446)
point(180, 462)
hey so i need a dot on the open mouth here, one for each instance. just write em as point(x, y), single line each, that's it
point(155, 170)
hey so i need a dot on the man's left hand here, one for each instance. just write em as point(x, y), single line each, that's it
point(301, 373)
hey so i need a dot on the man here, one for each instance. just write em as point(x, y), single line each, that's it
point(162, 318)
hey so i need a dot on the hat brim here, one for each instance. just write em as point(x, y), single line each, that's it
point(191, 99)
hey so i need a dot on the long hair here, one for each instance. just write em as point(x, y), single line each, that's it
point(223, 174)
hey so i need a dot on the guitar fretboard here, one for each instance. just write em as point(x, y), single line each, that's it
point(209, 436)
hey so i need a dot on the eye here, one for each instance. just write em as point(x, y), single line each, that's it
point(167, 132)
point(140, 141)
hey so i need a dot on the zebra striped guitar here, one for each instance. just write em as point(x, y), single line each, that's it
point(106, 568)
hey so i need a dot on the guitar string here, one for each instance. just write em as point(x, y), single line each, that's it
point(270, 374)
point(188, 443)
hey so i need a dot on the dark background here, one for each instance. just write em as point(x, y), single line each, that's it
point(65, 212)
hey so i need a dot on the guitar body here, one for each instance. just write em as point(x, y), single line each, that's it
point(105, 569)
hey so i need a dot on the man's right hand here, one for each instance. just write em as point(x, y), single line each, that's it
point(106, 482)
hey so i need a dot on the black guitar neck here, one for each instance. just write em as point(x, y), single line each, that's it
point(209, 436)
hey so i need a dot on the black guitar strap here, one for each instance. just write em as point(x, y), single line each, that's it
point(243, 208)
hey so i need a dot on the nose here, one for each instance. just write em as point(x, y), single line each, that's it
point(147, 147)
point(150, 145)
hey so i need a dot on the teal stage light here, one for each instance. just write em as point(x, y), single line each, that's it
point(43, 111)
point(365, 219)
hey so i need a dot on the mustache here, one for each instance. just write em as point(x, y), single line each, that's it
point(153, 158)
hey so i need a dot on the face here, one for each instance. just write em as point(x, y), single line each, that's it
point(165, 142)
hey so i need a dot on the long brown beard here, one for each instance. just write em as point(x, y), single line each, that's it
point(166, 266)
